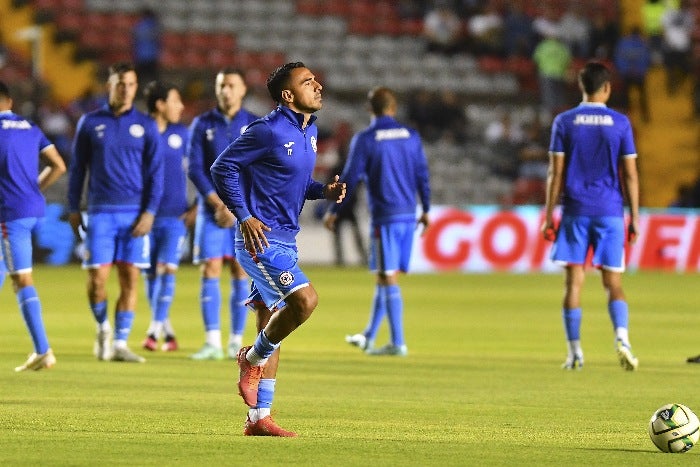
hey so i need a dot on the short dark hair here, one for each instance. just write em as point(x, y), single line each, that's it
point(230, 70)
point(279, 78)
point(592, 77)
point(120, 68)
point(4, 90)
point(381, 99)
point(156, 91)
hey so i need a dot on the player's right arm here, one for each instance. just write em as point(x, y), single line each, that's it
point(55, 167)
point(555, 176)
point(631, 181)
point(78, 169)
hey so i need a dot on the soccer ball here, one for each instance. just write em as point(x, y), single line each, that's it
point(674, 428)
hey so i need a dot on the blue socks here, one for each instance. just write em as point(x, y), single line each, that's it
point(122, 324)
point(164, 298)
point(394, 309)
point(99, 311)
point(210, 301)
point(572, 323)
point(377, 313)
point(263, 347)
point(619, 315)
point(239, 311)
point(30, 306)
point(266, 392)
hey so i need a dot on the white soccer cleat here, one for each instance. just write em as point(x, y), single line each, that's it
point(38, 361)
point(124, 354)
point(624, 354)
point(389, 349)
point(359, 340)
point(573, 362)
point(103, 344)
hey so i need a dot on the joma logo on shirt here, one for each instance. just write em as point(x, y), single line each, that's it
point(583, 119)
point(394, 133)
point(16, 125)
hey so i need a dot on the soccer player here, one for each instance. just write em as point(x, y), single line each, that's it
point(119, 147)
point(592, 165)
point(167, 238)
point(210, 133)
point(22, 146)
point(264, 177)
point(390, 157)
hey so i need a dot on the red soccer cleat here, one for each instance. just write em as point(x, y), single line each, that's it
point(150, 343)
point(249, 378)
point(266, 427)
point(170, 344)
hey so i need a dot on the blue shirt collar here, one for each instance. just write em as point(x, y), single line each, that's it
point(295, 117)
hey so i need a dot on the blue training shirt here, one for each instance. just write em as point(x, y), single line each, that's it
point(210, 133)
point(173, 143)
point(594, 139)
point(389, 157)
point(266, 173)
point(21, 141)
point(125, 162)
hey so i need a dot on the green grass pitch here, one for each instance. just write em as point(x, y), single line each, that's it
point(482, 384)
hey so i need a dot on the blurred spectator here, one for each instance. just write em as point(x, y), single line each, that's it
point(632, 58)
point(688, 195)
point(442, 28)
point(146, 46)
point(88, 101)
point(518, 34)
point(553, 59)
point(503, 129)
point(652, 11)
point(450, 118)
point(411, 9)
point(503, 137)
point(677, 34)
point(604, 36)
point(421, 114)
point(546, 24)
point(486, 31)
point(56, 125)
point(3, 51)
point(575, 29)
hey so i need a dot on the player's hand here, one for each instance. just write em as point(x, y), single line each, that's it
point(189, 217)
point(223, 217)
point(632, 232)
point(423, 220)
point(75, 219)
point(143, 224)
point(549, 231)
point(254, 235)
point(335, 191)
point(329, 221)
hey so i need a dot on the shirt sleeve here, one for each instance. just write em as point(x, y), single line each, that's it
point(422, 176)
point(195, 155)
point(627, 148)
point(78, 166)
point(556, 143)
point(251, 146)
point(154, 178)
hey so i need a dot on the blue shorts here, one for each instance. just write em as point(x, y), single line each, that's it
point(275, 274)
point(167, 241)
point(108, 240)
point(210, 240)
point(604, 235)
point(390, 247)
point(17, 244)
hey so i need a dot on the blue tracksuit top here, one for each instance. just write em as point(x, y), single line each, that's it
point(125, 161)
point(266, 173)
point(389, 157)
point(173, 143)
point(210, 133)
point(21, 141)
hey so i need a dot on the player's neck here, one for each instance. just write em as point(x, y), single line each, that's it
point(230, 112)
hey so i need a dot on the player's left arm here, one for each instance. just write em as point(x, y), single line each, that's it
point(423, 184)
point(555, 176)
point(631, 181)
point(55, 167)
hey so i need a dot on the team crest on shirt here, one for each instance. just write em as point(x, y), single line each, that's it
point(286, 278)
point(175, 141)
point(136, 130)
point(100, 130)
point(210, 133)
point(313, 143)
